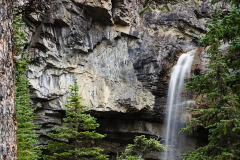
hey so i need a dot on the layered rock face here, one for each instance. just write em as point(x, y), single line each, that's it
point(120, 59)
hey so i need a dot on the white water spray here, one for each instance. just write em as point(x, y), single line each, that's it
point(176, 104)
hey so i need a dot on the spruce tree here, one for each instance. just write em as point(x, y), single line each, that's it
point(26, 138)
point(221, 88)
point(74, 140)
point(141, 147)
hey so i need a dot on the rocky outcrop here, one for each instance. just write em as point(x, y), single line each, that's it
point(120, 59)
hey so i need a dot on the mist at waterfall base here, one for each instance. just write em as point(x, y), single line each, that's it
point(176, 116)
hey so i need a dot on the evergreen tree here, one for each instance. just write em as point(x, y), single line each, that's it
point(221, 88)
point(141, 147)
point(74, 140)
point(26, 138)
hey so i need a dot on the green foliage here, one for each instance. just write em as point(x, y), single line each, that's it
point(146, 6)
point(74, 140)
point(221, 88)
point(141, 147)
point(148, 3)
point(26, 138)
point(169, 7)
point(196, 2)
point(232, 2)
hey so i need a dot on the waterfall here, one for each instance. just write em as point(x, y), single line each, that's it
point(176, 103)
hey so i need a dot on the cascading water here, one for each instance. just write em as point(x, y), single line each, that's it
point(176, 117)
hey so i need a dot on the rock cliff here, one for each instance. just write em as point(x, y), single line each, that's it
point(120, 59)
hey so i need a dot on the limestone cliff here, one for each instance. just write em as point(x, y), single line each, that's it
point(120, 59)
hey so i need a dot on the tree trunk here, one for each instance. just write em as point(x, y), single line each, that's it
point(8, 127)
